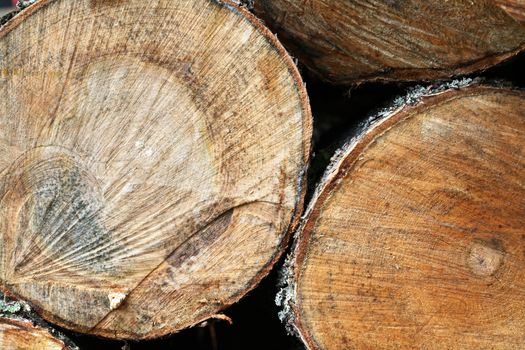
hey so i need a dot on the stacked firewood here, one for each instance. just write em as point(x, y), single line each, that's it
point(155, 158)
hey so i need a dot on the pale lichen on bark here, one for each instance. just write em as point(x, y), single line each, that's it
point(20, 5)
point(9, 306)
point(286, 296)
point(246, 3)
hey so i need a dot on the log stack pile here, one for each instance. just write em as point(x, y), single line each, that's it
point(154, 161)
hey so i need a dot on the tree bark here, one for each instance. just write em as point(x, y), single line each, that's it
point(152, 161)
point(349, 42)
point(415, 237)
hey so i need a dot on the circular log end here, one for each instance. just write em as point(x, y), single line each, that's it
point(416, 237)
point(152, 161)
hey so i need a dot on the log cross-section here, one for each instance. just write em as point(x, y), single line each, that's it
point(415, 238)
point(152, 155)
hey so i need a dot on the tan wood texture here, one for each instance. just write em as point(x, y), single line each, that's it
point(416, 238)
point(516, 8)
point(350, 41)
point(18, 334)
point(152, 158)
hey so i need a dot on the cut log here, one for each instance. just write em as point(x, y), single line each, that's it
point(348, 42)
point(416, 237)
point(152, 161)
point(20, 334)
point(21, 329)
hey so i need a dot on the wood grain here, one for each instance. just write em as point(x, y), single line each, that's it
point(19, 334)
point(152, 159)
point(351, 41)
point(516, 8)
point(416, 237)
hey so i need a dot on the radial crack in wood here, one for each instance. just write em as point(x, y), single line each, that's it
point(348, 41)
point(152, 156)
point(415, 238)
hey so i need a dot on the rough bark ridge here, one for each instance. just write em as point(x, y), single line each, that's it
point(348, 42)
point(414, 238)
point(152, 164)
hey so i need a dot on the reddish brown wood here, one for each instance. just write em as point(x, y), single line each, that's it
point(347, 42)
point(415, 238)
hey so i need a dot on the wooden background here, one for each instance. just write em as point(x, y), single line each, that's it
point(337, 112)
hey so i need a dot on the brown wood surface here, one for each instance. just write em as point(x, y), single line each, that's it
point(151, 165)
point(19, 334)
point(416, 237)
point(516, 8)
point(350, 41)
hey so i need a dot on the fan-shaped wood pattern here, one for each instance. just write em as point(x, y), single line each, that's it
point(151, 165)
